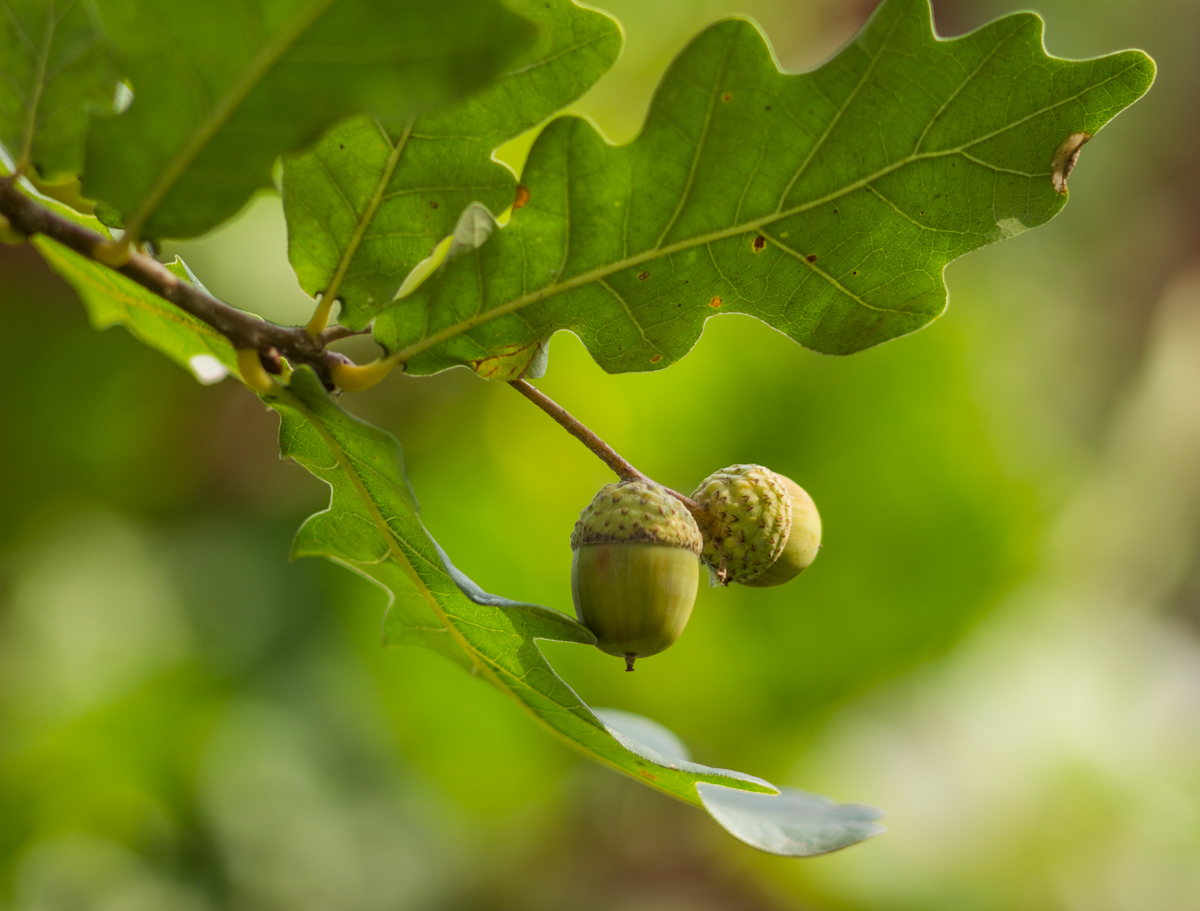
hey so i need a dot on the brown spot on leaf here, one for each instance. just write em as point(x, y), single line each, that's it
point(715, 302)
point(1064, 160)
point(643, 772)
point(727, 97)
point(811, 258)
point(507, 363)
point(433, 204)
point(656, 359)
point(522, 199)
point(642, 276)
point(758, 243)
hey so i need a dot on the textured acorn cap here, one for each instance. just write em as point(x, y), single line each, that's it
point(750, 518)
point(639, 512)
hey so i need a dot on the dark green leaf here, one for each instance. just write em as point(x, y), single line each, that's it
point(826, 204)
point(55, 66)
point(366, 204)
point(223, 89)
point(372, 526)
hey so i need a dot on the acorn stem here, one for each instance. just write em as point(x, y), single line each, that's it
point(605, 453)
point(630, 657)
point(573, 426)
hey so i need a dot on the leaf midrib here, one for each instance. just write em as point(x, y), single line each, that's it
point(267, 57)
point(586, 278)
point(405, 354)
point(39, 85)
point(329, 296)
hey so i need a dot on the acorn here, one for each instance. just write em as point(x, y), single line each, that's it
point(762, 528)
point(634, 573)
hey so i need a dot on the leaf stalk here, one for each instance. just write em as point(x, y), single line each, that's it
point(605, 453)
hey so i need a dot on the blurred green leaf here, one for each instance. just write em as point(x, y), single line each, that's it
point(56, 68)
point(826, 204)
point(223, 89)
point(372, 526)
point(366, 204)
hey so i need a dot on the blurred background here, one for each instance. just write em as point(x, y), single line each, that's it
point(1000, 643)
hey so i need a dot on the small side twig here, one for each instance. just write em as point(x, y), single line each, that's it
point(335, 333)
point(609, 456)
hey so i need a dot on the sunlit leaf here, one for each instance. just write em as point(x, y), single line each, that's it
point(826, 204)
point(373, 527)
point(366, 204)
point(220, 91)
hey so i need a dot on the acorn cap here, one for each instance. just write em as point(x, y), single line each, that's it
point(638, 512)
point(750, 518)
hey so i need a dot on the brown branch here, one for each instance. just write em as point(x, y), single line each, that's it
point(244, 331)
point(609, 456)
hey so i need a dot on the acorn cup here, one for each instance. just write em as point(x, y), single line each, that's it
point(762, 528)
point(634, 572)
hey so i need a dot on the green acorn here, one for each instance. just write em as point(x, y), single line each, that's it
point(634, 571)
point(763, 529)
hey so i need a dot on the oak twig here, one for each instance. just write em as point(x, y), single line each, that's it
point(270, 340)
point(609, 456)
point(244, 331)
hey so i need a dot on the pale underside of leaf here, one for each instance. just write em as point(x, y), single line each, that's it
point(826, 204)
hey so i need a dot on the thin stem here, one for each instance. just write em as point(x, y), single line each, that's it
point(244, 331)
point(573, 426)
point(321, 314)
point(605, 453)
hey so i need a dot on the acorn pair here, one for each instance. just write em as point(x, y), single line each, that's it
point(634, 572)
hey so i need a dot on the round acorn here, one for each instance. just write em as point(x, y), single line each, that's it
point(634, 571)
point(763, 528)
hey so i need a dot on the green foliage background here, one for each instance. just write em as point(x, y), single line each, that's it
point(189, 721)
